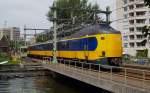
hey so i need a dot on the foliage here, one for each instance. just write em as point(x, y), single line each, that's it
point(146, 33)
point(15, 45)
point(142, 53)
point(79, 7)
point(146, 29)
point(43, 37)
point(13, 62)
point(147, 2)
point(66, 10)
point(3, 57)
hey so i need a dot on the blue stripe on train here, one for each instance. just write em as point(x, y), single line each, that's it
point(88, 44)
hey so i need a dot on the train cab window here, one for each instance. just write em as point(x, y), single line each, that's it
point(92, 43)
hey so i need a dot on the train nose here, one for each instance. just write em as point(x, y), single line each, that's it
point(114, 46)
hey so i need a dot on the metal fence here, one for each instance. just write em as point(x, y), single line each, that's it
point(127, 76)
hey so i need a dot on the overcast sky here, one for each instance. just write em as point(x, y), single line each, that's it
point(33, 12)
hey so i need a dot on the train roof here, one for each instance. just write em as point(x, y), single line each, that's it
point(89, 30)
point(95, 29)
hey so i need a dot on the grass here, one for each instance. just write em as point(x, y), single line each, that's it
point(4, 57)
point(13, 62)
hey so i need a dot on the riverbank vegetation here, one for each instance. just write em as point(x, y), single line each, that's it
point(11, 60)
point(4, 57)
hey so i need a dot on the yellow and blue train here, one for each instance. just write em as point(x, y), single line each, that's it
point(97, 44)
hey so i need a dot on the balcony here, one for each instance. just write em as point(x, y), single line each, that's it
point(144, 9)
point(131, 2)
point(131, 22)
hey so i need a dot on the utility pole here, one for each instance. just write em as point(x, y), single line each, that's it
point(108, 15)
point(55, 34)
point(25, 35)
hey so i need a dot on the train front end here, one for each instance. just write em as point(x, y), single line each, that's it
point(110, 46)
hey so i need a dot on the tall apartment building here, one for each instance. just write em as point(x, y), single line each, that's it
point(133, 15)
point(13, 33)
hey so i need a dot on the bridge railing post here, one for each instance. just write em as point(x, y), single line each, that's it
point(125, 74)
point(99, 67)
point(64, 62)
point(111, 72)
point(82, 66)
point(69, 62)
point(49, 60)
point(90, 67)
point(99, 70)
point(75, 64)
point(143, 79)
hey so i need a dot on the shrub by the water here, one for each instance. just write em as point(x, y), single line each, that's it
point(3, 57)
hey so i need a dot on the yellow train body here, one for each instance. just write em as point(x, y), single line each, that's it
point(109, 45)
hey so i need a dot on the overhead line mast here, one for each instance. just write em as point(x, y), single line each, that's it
point(55, 34)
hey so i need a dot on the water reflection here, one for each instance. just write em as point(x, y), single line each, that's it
point(45, 84)
point(34, 85)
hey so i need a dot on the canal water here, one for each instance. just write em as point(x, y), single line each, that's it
point(44, 84)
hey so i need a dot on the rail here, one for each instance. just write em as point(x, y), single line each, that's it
point(142, 63)
point(128, 76)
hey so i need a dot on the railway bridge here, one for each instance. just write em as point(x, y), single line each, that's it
point(126, 80)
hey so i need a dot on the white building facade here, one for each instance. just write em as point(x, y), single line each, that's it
point(133, 15)
point(13, 33)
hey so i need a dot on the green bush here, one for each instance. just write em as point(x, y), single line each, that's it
point(3, 57)
point(142, 53)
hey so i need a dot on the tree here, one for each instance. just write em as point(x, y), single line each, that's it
point(64, 9)
point(146, 29)
point(147, 2)
point(15, 45)
point(146, 34)
point(42, 37)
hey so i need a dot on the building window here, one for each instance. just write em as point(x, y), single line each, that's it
point(139, 29)
point(125, 1)
point(125, 38)
point(139, 44)
point(131, 45)
point(131, 29)
point(131, 22)
point(131, 37)
point(140, 5)
point(140, 37)
point(131, 1)
point(140, 13)
point(140, 21)
point(125, 45)
point(131, 14)
point(131, 7)
point(125, 9)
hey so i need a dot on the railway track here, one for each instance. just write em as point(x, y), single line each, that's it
point(136, 66)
